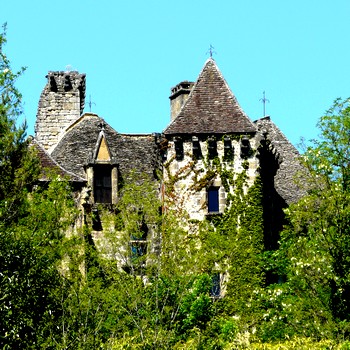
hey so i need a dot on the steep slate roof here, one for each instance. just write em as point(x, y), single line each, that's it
point(130, 152)
point(211, 107)
point(48, 163)
point(290, 167)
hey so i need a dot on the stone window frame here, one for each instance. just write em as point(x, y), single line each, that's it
point(228, 149)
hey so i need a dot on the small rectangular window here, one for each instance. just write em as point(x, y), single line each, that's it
point(213, 199)
point(215, 290)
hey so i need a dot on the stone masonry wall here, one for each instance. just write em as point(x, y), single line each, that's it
point(60, 104)
point(186, 194)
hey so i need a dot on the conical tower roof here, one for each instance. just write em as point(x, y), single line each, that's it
point(211, 108)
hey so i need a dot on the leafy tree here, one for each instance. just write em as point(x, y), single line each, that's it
point(18, 166)
point(159, 298)
point(32, 221)
point(314, 247)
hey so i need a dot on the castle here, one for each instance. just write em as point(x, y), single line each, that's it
point(207, 126)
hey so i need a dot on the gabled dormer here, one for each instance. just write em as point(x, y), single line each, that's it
point(101, 171)
point(101, 151)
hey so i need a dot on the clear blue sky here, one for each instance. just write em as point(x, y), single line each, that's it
point(133, 52)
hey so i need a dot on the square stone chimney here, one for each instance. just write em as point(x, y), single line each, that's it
point(61, 103)
point(178, 97)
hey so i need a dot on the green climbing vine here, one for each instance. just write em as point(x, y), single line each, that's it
point(231, 244)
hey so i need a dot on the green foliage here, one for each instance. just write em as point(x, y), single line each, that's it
point(233, 246)
point(314, 247)
point(30, 256)
point(33, 219)
point(162, 303)
point(301, 343)
point(18, 166)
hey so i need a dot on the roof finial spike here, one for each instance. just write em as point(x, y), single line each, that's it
point(211, 51)
point(90, 103)
point(264, 100)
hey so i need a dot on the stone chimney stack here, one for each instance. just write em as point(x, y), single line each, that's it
point(179, 95)
point(61, 103)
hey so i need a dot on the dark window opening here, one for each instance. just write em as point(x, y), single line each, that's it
point(67, 84)
point(212, 150)
point(179, 149)
point(196, 148)
point(228, 150)
point(102, 184)
point(213, 199)
point(215, 290)
point(246, 150)
point(53, 85)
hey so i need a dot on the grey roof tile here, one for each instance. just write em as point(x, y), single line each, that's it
point(131, 152)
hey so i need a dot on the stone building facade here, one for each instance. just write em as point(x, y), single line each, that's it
point(208, 130)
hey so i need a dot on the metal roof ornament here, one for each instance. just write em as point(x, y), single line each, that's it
point(264, 100)
point(211, 51)
point(90, 103)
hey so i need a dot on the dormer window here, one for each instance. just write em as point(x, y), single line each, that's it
point(102, 172)
point(102, 184)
